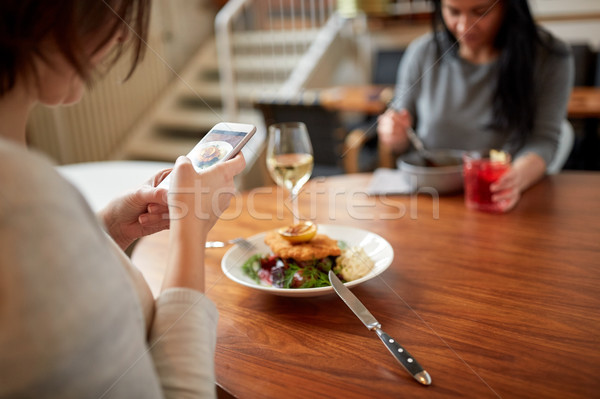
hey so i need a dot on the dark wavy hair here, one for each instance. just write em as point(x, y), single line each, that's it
point(520, 41)
point(25, 24)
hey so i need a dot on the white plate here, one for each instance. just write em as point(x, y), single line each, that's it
point(376, 247)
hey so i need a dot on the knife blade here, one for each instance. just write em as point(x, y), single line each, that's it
point(407, 361)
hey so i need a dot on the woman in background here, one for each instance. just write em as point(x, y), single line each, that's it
point(76, 318)
point(487, 77)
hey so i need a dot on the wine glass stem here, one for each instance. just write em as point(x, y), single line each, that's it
point(295, 211)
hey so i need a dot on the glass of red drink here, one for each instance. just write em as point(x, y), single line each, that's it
point(481, 169)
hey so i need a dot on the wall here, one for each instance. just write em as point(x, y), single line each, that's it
point(185, 24)
point(563, 8)
point(94, 128)
point(574, 21)
point(576, 31)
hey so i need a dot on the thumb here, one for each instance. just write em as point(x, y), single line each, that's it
point(182, 170)
point(182, 160)
point(183, 163)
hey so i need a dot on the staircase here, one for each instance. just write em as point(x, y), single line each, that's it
point(263, 60)
point(190, 107)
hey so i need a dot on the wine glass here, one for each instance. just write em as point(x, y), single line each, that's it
point(290, 158)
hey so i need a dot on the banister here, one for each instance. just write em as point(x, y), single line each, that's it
point(320, 12)
point(225, 57)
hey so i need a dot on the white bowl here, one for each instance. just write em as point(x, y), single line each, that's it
point(443, 179)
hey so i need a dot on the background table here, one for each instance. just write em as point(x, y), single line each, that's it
point(491, 305)
point(584, 103)
point(372, 99)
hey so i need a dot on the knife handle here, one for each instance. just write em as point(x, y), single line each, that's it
point(406, 360)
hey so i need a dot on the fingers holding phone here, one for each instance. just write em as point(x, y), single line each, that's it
point(198, 199)
point(221, 143)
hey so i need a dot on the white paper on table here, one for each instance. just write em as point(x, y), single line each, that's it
point(389, 181)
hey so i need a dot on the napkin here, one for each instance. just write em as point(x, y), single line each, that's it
point(389, 181)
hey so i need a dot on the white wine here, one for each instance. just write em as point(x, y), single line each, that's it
point(290, 170)
point(289, 159)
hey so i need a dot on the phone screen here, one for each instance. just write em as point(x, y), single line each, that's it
point(215, 146)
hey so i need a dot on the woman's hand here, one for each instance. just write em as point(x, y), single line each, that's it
point(138, 213)
point(391, 129)
point(196, 200)
point(506, 190)
point(523, 173)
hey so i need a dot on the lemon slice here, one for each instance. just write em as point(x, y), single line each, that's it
point(498, 156)
point(298, 233)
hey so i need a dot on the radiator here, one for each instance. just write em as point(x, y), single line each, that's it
point(93, 129)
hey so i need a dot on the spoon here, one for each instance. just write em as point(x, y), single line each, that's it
point(425, 154)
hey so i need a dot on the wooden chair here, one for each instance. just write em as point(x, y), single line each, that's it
point(354, 149)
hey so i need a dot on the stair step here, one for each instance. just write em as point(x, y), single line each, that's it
point(269, 62)
point(208, 74)
point(197, 122)
point(158, 148)
point(274, 37)
point(262, 77)
point(158, 144)
point(195, 102)
point(187, 120)
point(211, 91)
point(192, 103)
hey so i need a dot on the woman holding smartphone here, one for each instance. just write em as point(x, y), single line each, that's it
point(487, 77)
point(76, 318)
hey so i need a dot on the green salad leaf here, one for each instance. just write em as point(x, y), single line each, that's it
point(314, 277)
point(288, 275)
point(252, 266)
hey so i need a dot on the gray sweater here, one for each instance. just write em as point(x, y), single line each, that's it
point(77, 320)
point(451, 100)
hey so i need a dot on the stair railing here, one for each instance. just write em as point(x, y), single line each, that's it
point(283, 24)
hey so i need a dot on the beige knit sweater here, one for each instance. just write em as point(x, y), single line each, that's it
point(77, 320)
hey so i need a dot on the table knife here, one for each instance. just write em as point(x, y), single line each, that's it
point(406, 359)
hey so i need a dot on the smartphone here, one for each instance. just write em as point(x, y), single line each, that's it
point(221, 143)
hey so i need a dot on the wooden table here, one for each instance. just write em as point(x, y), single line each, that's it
point(369, 99)
point(491, 305)
point(584, 102)
point(372, 99)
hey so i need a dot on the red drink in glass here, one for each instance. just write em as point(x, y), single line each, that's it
point(480, 171)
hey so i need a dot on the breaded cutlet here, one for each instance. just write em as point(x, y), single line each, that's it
point(319, 247)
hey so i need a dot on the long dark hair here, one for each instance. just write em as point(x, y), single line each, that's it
point(519, 40)
point(24, 24)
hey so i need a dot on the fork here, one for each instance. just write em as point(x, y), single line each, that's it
point(242, 242)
